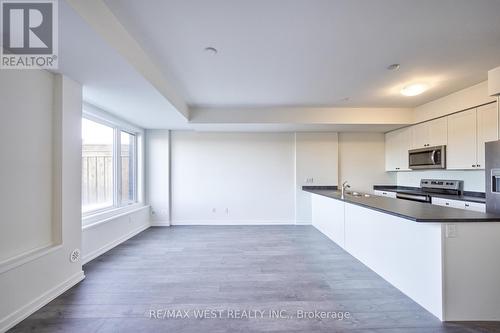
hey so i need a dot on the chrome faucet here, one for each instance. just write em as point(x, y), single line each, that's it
point(344, 186)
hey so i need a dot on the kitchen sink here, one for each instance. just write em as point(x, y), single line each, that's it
point(357, 194)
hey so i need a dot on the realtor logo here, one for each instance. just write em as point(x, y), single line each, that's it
point(29, 34)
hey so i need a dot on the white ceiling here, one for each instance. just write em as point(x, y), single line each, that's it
point(315, 52)
point(108, 80)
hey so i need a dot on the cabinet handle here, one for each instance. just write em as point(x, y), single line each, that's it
point(447, 203)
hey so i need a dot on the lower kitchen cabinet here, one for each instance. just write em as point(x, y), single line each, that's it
point(385, 193)
point(328, 217)
point(475, 206)
point(443, 273)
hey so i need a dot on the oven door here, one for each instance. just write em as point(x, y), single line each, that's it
point(413, 197)
point(427, 158)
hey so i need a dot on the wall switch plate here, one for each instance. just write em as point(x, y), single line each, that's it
point(451, 230)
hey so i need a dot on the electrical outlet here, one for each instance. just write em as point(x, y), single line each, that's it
point(309, 180)
point(214, 210)
point(451, 230)
point(227, 211)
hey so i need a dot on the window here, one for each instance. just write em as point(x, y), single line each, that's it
point(97, 166)
point(109, 166)
point(128, 166)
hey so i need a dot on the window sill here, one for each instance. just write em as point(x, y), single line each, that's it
point(94, 220)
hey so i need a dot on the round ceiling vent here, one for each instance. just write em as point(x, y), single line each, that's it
point(394, 67)
point(211, 50)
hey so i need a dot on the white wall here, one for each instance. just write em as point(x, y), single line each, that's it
point(32, 279)
point(158, 175)
point(316, 159)
point(362, 161)
point(26, 131)
point(249, 174)
point(102, 236)
point(460, 100)
point(257, 177)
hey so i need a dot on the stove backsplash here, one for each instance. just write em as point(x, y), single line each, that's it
point(473, 180)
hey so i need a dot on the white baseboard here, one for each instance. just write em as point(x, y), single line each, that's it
point(160, 223)
point(19, 315)
point(94, 254)
point(233, 222)
point(303, 222)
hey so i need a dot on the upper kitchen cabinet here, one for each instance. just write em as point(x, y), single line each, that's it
point(430, 133)
point(462, 134)
point(397, 144)
point(487, 129)
point(467, 133)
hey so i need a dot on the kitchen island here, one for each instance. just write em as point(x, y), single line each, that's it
point(445, 259)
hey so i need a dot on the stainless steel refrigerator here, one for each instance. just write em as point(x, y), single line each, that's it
point(492, 174)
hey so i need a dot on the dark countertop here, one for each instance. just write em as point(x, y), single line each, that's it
point(411, 210)
point(467, 196)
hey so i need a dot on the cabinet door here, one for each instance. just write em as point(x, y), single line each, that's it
point(404, 144)
point(448, 203)
point(475, 206)
point(431, 133)
point(487, 129)
point(461, 149)
point(391, 151)
point(397, 144)
point(388, 194)
point(419, 135)
point(438, 135)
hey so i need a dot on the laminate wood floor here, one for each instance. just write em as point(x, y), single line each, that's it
point(285, 269)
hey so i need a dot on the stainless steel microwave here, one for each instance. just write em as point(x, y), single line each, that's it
point(427, 158)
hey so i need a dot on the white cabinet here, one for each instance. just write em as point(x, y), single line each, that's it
point(461, 150)
point(328, 217)
point(397, 144)
point(475, 206)
point(467, 133)
point(388, 194)
point(487, 129)
point(430, 133)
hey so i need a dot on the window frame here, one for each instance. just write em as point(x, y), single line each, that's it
point(120, 203)
point(118, 127)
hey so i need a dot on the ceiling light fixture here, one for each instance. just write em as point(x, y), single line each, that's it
point(211, 50)
point(393, 67)
point(414, 89)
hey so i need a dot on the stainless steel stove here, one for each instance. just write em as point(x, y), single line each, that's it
point(429, 186)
